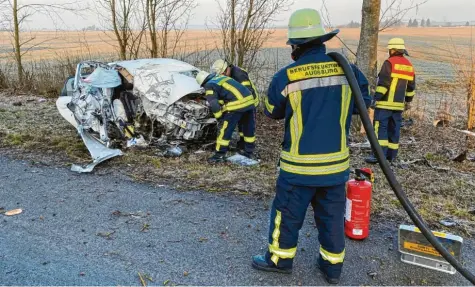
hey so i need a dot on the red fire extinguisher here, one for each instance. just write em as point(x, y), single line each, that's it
point(358, 204)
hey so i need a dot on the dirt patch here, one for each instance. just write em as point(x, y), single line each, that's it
point(438, 186)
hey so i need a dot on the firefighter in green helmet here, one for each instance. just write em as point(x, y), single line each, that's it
point(313, 96)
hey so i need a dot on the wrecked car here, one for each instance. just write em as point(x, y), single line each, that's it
point(136, 103)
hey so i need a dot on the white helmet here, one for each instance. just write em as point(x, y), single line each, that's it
point(201, 77)
point(219, 66)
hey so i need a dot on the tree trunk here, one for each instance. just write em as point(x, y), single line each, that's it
point(243, 34)
point(124, 30)
point(165, 42)
point(471, 102)
point(16, 32)
point(233, 29)
point(240, 53)
point(151, 19)
point(154, 51)
point(122, 47)
point(367, 54)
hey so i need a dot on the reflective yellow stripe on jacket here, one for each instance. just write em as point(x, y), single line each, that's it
point(315, 164)
point(256, 95)
point(390, 104)
point(315, 170)
point(394, 106)
point(402, 76)
point(240, 104)
point(381, 89)
point(269, 106)
point(233, 90)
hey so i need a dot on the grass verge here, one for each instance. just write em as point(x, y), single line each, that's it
point(438, 186)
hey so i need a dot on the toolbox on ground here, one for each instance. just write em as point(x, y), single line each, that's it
point(415, 249)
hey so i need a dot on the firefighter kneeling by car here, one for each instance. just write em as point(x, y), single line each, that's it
point(232, 104)
point(222, 67)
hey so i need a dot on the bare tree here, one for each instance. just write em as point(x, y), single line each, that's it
point(128, 25)
point(245, 25)
point(152, 9)
point(167, 21)
point(15, 14)
point(394, 11)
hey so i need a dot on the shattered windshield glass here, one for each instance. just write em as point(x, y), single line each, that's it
point(191, 73)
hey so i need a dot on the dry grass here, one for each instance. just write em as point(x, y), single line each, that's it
point(50, 63)
point(101, 42)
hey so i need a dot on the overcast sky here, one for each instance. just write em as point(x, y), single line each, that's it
point(341, 12)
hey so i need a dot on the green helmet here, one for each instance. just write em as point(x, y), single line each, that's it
point(305, 25)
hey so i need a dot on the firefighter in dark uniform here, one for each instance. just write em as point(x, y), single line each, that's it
point(222, 67)
point(396, 86)
point(313, 96)
point(232, 104)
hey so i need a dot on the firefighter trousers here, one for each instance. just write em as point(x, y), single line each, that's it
point(228, 123)
point(387, 126)
point(287, 217)
point(242, 140)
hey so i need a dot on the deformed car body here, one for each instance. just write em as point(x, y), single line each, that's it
point(140, 102)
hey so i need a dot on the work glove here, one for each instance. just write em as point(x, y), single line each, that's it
point(407, 106)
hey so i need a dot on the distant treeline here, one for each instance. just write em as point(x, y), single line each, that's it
point(413, 23)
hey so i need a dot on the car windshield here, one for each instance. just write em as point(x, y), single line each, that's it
point(191, 73)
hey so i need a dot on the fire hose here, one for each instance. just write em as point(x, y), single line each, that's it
point(391, 178)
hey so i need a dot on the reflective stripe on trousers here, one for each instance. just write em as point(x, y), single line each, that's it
point(288, 214)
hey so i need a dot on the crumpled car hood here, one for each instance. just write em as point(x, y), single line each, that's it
point(162, 86)
point(161, 82)
point(169, 65)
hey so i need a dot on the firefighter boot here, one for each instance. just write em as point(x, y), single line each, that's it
point(248, 155)
point(217, 158)
point(259, 262)
point(371, 159)
point(331, 281)
point(240, 145)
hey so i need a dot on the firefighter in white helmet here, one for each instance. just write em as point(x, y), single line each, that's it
point(223, 67)
point(232, 104)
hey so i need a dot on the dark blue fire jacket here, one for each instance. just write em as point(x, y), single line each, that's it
point(313, 96)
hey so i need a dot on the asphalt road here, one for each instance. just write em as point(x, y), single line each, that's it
point(104, 230)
